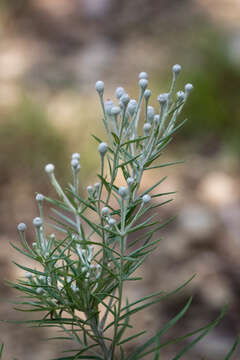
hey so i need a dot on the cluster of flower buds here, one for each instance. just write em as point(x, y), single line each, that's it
point(75, 164)
point(90, 269)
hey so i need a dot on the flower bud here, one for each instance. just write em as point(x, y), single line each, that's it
point(22, 227)
point(28, 275)
point(130, 181)
point(37, 222)
point(180, 95)
point(146, 128)
point(156, 119)
point(115, 110)
point(105, 211)
point(76, 156)
point(143, 83)
point(125, 99)
point(132, 106)
point(163, 98)
point(176, 69)
point(74, 164)
point(111, 221)
point(102, 148)
point(146, 198)
point(143, 75)
point(99, 86)
point(39, 197)
point(150, 113)
point(90, 190)
point(147, 93)
point(123, 192)
point(108, 106)
point(49, 168)
point(119, 92)
point(97, 186)
point(39, 290)
point(188, 88)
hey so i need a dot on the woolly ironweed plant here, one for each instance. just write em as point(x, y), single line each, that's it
point(78, 281)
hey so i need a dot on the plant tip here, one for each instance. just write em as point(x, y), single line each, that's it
point(39, 197)
point(143, 75)
point(37, 222)
point(147, 93)
point(143, 83)
point(76, 156)
point(115, 111)
point(176, 69)
point(188, 88)
point(22, 227)
point(102, 148)
point(123, 192)
point(146, 198)
point(49, 168)
point(119, 92)
point(163, 98)
point(99, 86)
point(105, 211)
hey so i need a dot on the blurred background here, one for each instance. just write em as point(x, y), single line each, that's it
point(51, 54)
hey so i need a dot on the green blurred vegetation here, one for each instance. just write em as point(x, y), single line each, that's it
point(213, 108)
point(28, 142)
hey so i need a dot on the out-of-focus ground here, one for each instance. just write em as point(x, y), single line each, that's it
point(51, 54)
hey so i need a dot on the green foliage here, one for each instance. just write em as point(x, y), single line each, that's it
point(86, 265)
point(27, 125)
point(215, 105)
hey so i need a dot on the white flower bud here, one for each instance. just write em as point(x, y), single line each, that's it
point(69, 279)
point(115, 110)
point(74, 288)
point(76, 156)
point(132, 106)
point(150, 113)
point(22, 227)
point(49, 168)
point(188, 88)
point(147, 128)
point(111, 221)
point(97, 186)
point(90, 189)
point(108, 106)
point(125, 99)
point(119, 92)
point(176, 69)
point(74, 164)
point(102, 148)
point(39, 290)
point(180, 95)
point(34, 244)
point(130, 181)
point(41, 277)
point(147, 93)
point(99, 86)
point(163, 98)
point(143, 83)
point(105, 211)
point(106, 227)
point(37, 222)
point(28, 275)
point(146, 198)
point(143, 75)
point(156, 119)
point(123, 192)
point(39, 197)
